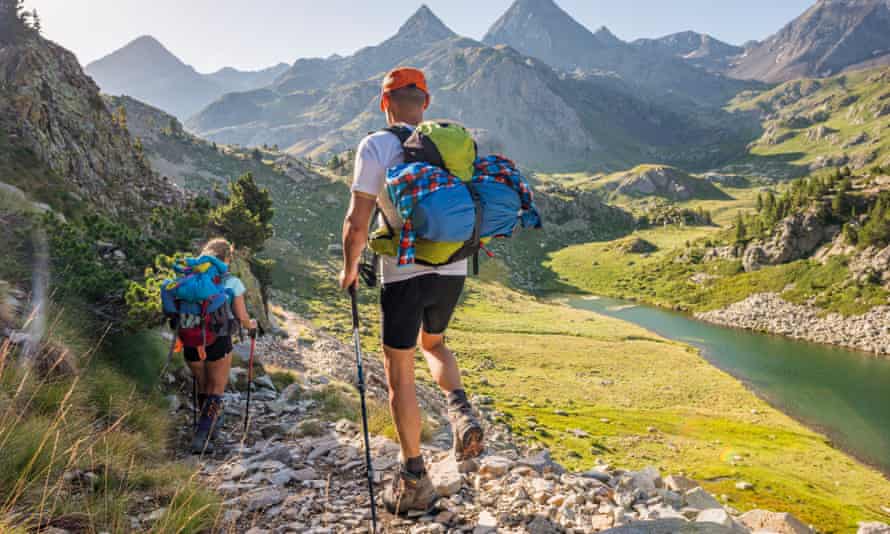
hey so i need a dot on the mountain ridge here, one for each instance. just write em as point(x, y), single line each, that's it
point(699, 49)
point(164, 80)
point(542, 29)
point(830, 37)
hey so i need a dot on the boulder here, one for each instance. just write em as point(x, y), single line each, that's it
point(873, 527)
point(446, 477)
point(670, 526)
point(780, 523)
point(701, 499)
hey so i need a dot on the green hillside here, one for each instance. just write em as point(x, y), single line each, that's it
point(812, 124)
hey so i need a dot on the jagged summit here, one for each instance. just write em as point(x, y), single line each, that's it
point(542, 29)
point(606, 37)
point(424, 24)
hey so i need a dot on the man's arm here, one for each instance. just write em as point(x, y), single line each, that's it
point(355, 235)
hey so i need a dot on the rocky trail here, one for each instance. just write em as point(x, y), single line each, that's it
point(297, 471)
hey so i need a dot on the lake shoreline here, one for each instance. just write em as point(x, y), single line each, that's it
point(833, 438)
point(769, 313)
point(748, 318)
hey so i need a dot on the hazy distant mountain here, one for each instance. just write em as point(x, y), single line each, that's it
point(245, 80)
point(146, 70)
point(830, 37)
point(541, 29)
point(698, 49)
point(541, 117)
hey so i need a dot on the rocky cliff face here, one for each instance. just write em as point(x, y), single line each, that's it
point(830, 37)
point(798, 236)
point(50, 108)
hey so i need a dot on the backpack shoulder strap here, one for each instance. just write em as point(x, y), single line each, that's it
point(402, 132)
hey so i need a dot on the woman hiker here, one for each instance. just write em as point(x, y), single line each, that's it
point(212, 374)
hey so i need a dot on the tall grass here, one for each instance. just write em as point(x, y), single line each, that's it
point(86, 444)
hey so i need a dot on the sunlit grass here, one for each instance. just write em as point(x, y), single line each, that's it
point(643, 401)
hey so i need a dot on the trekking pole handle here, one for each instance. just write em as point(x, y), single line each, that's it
point(251, 333)
point(354, 296)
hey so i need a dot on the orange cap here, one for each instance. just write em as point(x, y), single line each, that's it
point(403, 77)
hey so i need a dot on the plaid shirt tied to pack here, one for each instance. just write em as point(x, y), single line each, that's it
point(409, 183)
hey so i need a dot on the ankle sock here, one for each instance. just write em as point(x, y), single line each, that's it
point(415, 465)
point(457, 399)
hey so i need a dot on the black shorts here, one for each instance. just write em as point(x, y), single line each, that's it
point(215, 352)
point(426, 300)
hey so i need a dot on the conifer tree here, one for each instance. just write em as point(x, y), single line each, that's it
point(839, 204)
point(740, 231)
point(246, 218)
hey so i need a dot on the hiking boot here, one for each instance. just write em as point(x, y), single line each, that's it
point(202, 441)
point(218, 423)
point(409, 492)
point(468, 434)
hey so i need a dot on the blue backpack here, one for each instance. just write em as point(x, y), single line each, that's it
point(198, 302)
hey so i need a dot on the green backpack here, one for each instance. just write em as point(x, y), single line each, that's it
point(444, 144)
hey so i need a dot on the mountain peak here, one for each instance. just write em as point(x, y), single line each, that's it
point(606, 36)
point(542, 29)
point(426, 25)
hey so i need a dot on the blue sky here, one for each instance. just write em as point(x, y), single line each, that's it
point(210, 34)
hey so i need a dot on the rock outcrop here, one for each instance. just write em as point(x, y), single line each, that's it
point(798, 236)
point(665, 182)
point(52, 109)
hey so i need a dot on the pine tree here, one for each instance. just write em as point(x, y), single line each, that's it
point(175, 127)
point(839, 204)
point(246, 218)
point(35, 21)
point(759, 203)
point(741, 232)
point(334, 162)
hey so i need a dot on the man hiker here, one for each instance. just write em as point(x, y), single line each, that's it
point(415, 299)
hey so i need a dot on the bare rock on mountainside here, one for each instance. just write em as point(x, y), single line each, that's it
point(52, 109)
point(663, 181)
point(831, 37)
point(798, 236)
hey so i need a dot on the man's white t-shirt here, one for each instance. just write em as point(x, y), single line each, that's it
point(377, 153)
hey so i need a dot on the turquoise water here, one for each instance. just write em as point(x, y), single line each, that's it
point(845, 394)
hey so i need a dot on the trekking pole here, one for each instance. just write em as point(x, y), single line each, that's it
point(252, 334)
point(195, 402)
point(361, 391)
